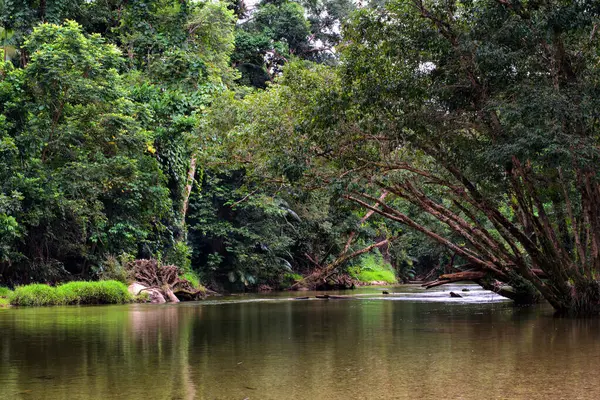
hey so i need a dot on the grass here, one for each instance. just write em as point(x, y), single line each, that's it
point(102, 292)
point(373, 268)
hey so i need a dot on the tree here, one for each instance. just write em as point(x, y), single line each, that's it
point(480, 115)
point(278, 31)
point(78, 177)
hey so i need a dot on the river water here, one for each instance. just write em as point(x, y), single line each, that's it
point(410, 344)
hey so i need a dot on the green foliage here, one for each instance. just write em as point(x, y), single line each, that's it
point(373, 268)
point(103, 292)
point(240, 243)
point(89, 185)
point(114, 268)
point(289, 279)
point(5, 292)
point(281, 31)
point(181, 255)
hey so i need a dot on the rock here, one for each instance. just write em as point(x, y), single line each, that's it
point(452, 294)
point(135, 288)
point(466, 290)
point(385, 292)
point(156, 297)
point(301, 298)
point(322, 296)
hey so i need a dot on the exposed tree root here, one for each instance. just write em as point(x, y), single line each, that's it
point(164, 278)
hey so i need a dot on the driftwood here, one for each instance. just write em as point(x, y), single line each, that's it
point(165, 279)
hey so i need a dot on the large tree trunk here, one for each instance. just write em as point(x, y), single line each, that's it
point(187, 191)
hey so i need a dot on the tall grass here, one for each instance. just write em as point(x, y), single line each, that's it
point(102, 292)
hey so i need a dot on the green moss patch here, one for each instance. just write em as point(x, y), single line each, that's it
point(194, 280)
point(373, 268)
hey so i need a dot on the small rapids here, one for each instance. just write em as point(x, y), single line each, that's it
point(469, 294)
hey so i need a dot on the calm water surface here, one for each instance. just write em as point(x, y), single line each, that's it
point(406, 345)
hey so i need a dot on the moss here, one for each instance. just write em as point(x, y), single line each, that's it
point(193, 279)
point(373, 268)
point(103, 292)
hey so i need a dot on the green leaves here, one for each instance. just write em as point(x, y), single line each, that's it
point(89, 184)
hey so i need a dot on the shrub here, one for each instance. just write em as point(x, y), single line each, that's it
point(114, 268)
point(4, 295)
point(5, 292)
point(181, 255)
point(103, 292)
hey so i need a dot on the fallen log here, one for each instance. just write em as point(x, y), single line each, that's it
point(455, 277)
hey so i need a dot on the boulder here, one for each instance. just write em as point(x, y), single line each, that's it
point(156, 297)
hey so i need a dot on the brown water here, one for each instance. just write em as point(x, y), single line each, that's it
point(399, 346)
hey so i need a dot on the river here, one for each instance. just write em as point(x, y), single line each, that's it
point(410, 344)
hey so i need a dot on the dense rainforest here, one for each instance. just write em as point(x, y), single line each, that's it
point(304, 143)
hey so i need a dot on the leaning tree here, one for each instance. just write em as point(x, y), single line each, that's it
point(484, 115)
point(481, 115)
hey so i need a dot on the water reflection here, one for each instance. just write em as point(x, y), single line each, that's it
point(358, 349)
